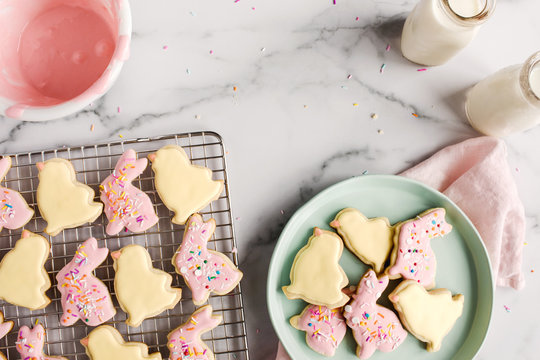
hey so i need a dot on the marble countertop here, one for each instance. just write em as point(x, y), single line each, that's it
point(291, 86)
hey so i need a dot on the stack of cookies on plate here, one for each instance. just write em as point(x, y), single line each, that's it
point(401, 251)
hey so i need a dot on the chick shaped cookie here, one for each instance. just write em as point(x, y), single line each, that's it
point(324, 327)
point(428, 315)
point(184, 188)
point(185, 341)
point(23, 278)
point(63, 201)
point(125, 205)
point(30, 343)
point(5, 327)
point(371, 240)
point(106, 343)
point(14, 211)
point(374, 326)
point(142, 290)
point(412, 257)
point(203, 270)
point(316, 276)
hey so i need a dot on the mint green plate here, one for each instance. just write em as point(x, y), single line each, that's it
point(462, 264)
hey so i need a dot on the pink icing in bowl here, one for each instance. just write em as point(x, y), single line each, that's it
point(57, 56)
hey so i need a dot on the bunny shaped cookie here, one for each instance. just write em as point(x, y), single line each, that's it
point(204, 270)
point(30, 344)
point(185, 341)
point(374, 326)
point(126, 205)
point(84, 296)
point(14, 211)
point(5, 327)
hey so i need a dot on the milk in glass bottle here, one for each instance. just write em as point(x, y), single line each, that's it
point(436, 30)
point(507, 101)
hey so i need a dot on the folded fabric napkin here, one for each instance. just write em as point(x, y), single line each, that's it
point(476, 176)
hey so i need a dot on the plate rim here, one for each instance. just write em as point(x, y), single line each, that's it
point(279, 243)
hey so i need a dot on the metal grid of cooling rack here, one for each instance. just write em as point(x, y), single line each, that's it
point(93, 164)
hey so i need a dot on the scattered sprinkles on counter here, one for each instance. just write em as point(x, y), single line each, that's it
point(118, 109)
point(211, 52)
point(349, 76)
point(381, 70)
point(422, 69)
point(192, 13)
point(365, 172)
point(165, 47)
point(388, 47)
point(357, 18)
point(92, 127)
point(120, 136)
point(374, 116)
point(380, 131)
point(355, 104)
point(188, 71)
point(414, 114)
point(507, 309)
point(263, 49)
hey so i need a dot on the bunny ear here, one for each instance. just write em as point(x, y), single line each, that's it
point(5, 164)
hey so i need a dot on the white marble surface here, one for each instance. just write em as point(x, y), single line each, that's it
point(291, 128)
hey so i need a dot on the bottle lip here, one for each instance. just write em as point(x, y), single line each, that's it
point(525, 77)
point(474, 20)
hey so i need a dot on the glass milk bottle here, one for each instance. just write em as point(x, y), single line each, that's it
point(507, 101)
point(436, 30)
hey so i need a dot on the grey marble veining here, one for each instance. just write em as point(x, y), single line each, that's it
point(307, 77)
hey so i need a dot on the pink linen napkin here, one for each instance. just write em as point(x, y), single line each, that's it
point(476, 176)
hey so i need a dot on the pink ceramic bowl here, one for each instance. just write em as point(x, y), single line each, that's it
point(57, 56)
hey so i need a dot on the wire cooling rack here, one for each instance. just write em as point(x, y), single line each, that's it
point(92, 165)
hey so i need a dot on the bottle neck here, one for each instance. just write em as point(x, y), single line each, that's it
point(462, 18)
point(526, 79)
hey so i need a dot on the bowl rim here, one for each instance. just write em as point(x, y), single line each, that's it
point(94, 92)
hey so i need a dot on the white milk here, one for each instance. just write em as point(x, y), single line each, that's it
point(500, 104)
point(433, 33)
point(534, 80)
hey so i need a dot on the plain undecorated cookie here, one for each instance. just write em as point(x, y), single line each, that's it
point(428, 315)
point(371, 240)
point(316, 276)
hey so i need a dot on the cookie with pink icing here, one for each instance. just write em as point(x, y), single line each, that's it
point(374, 327)
point(412, 257)
point(185, 341)
point(324, 327)
point(203, 270)
point(14, 211)
point(5, 327)
point(126, 205)
point(83, 296)
point(30, 344)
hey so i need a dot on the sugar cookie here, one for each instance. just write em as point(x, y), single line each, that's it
point(5, 327)
point(203, 270)
point(185, 341)
point(412, 257)
point(324, 327)
point(374, 326)
point(429, 316)
point(106, 343)
point(23, 279)
point(316, 276)
point(142, 290)
point(63, 201)
point(126, 205)
point(371, 240)
point(30, 344)
point(14, 211)
point(83, 296)
point(183, 188)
